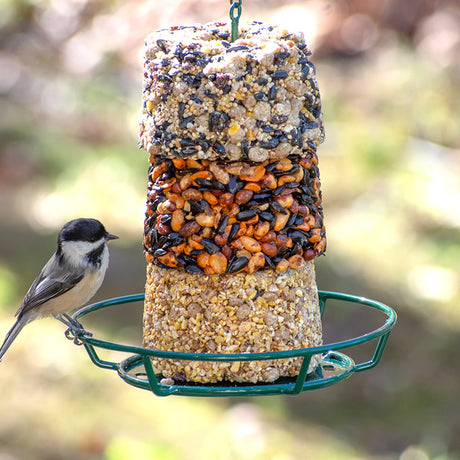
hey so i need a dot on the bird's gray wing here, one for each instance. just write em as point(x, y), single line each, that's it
point(52, 281)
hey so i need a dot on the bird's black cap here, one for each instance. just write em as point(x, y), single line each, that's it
point(84, 230)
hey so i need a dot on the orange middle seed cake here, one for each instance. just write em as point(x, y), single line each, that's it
point(211, 218)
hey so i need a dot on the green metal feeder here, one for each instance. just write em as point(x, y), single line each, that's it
point(334, 367)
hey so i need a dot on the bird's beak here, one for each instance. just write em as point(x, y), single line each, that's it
point(109, 236)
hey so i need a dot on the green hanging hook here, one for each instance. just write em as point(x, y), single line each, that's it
point(235, 13)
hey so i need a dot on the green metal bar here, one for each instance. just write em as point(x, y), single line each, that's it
point(322, 304)
point(96, 360)
point(342, 364)
point(152, 377)
point(377, 355)
point(300, 381)
point(241, 356)
point(123, 371)
point(389, 322)
point(108, 303)
point(338, 361)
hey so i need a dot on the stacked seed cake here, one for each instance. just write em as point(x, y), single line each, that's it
point(234, 218)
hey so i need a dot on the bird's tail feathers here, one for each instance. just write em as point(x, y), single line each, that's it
point(12, 334)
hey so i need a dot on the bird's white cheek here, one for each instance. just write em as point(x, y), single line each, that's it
point(76, 251)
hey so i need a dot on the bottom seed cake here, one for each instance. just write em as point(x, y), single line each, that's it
point(264, 311)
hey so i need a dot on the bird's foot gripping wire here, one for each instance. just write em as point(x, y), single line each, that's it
point(74, 329)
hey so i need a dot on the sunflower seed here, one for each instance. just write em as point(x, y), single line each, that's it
point(269, 262)
point(192, 268)
point(232, 184)
point(233, 231)
point(277, 207)
point(245, 215)
point(237, 264)
point(272, 92)
point(210, 246)
point(279, 74)
point(267, 216)
point(222, 224)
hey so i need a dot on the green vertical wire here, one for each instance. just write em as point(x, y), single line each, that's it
point(235, 14)
point(302, 374)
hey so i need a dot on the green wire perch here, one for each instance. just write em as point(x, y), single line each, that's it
point(335, 365)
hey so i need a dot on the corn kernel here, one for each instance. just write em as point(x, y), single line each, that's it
point(234, 128)
point(235, 366)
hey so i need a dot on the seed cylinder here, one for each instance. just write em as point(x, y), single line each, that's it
point(234, 218)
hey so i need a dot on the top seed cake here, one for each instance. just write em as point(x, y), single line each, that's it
point(206, 98)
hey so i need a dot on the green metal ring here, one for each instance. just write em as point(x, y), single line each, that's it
point(137, 370)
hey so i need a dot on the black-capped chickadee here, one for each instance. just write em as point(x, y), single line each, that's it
point(69, 279)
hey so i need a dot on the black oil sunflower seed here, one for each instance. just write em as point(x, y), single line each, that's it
point(272, 143)
point(277, 207)
point(207, 184)
point(298, 220)
point(174, 238)
point(185, 259)
point(296, 248)
point(269, 262)
point(279, 74)
point(291, 220)
point(216, 185)
point(196, 99)
point(219, 148)
point(195, 206)
point(245, 215)
point(278, 190)
point(194, 269)
point(165, 218)
point(271, 167)
point(162, 45)
point(210, 94)
point(237, 264)
point(237, 48)
point(233, 231)
point(272, 92)
point(222, 224)
point(157, 201)
point(232, 184)
point(267, 129)
point(267, 216)
point(153, 237)
point(210, 246)
point(261, 81)
point(259, 197)
point(298, 237)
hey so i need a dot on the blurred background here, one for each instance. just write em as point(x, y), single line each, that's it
point(70, 91)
